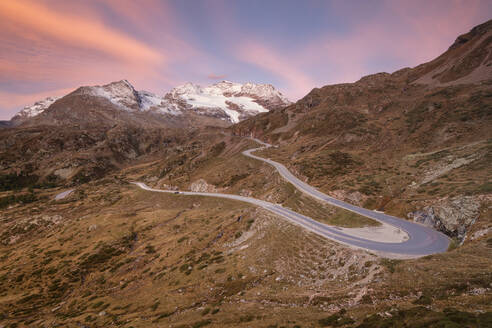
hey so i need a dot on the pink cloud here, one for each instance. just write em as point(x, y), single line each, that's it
point(432, 27)
point(155, 16)
point(216, 76)
point(269, 59)
point(75, 30)
point(72, 44)
point(406, 32)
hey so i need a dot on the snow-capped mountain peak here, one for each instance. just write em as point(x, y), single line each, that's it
point(187, 88)
point(224, 100)
point(263, 91)
point(35, 109)
point(224, 87)
point(228, 100)
point(120, 93)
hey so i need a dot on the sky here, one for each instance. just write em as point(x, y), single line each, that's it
point(51, 47)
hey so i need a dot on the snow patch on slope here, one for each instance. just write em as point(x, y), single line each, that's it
point(152, 102)
point(120, 93)
point(35, 109)
point(234, 100)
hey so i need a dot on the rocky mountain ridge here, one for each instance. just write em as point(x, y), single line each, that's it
point(227, 101)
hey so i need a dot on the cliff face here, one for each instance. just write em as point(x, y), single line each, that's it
point(453, 217)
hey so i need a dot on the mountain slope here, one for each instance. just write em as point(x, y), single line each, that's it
point(468, 60)
point(400, 142)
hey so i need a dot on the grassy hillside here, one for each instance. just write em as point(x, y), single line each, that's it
point(142, 259)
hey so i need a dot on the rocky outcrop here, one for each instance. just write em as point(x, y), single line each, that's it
point(452, 216)
point(354, 197)
point(25, 227)
point(202, 186)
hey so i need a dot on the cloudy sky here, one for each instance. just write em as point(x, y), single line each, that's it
point(50, 47)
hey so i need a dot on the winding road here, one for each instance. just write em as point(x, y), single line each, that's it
point(422, 240)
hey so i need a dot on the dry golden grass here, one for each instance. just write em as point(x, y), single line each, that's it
point(123, 256)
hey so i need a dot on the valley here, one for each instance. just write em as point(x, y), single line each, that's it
point(421, 241)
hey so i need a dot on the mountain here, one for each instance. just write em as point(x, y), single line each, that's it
point(226, 101)
point(401, 142)
point(99, 129)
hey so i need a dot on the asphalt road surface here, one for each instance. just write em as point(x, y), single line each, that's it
point(422, 240)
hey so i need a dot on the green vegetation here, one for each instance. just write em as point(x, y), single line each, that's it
point(31, 181)
point(149, 249)
point(328, 164)
point(17, 182)
point(336, 320)
point(328, 214)
point(217, 149)
point(453, 244)
point(486, 187)
point(390, 264)
point(201, 323)
point(418, 317)
point(104, 253)
point(371, 188)
point(14, 199)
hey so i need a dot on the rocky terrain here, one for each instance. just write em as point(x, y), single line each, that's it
point(415, 143)
point(453, 216)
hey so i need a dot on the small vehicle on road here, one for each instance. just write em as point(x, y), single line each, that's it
point(177, 192)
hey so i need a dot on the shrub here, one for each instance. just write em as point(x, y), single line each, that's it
point(17, 182)
point(423, 300)
point(14, 199)
point(149, 249)
point(105, 253)
point(390, 264)
point(155, 306)
point(336, 320)
point(201, 323)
